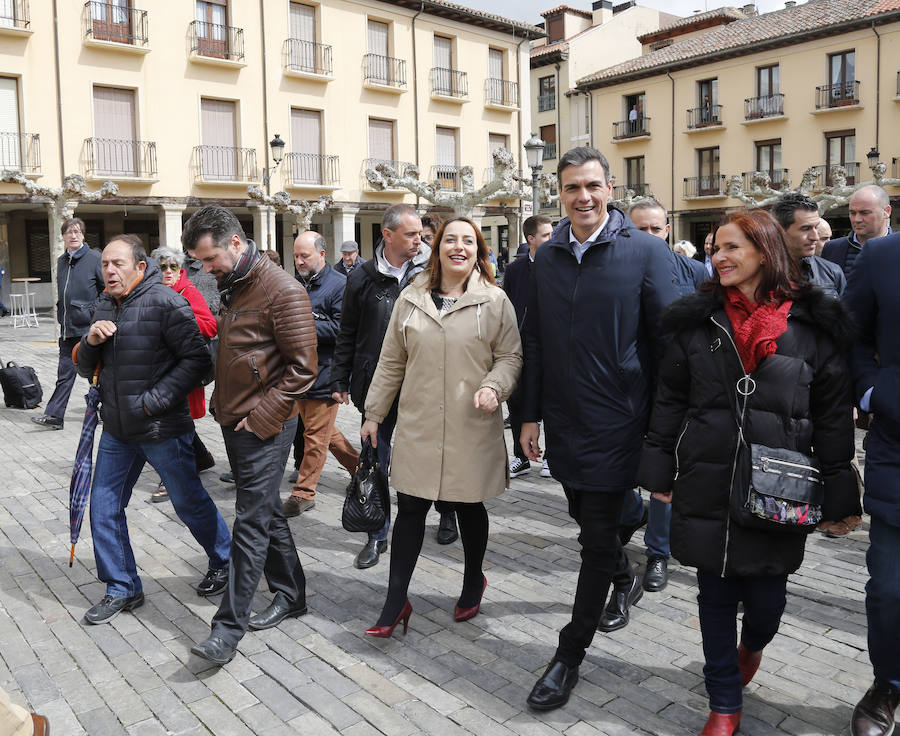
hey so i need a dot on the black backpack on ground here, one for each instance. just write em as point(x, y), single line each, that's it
point(21, 387)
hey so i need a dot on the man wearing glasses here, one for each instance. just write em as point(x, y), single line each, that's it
point(79, 283)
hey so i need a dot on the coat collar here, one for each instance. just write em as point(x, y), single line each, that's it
point(419, 295)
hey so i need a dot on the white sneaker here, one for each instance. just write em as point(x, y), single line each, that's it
point(545, 470)
point(518, 466)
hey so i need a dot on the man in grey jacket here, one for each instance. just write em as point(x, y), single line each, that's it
point(79, 283)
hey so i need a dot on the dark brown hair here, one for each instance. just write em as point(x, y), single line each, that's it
point(69, 221)
point(482, 261)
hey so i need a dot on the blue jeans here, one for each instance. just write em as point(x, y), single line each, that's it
point(656, 535)
point(883, 601)
point(118, 466)
point(385, 432)
point(764, 599)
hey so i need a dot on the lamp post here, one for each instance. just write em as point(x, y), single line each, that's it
point(276, 146)
point(534, 152)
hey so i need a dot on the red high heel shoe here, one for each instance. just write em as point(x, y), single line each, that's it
point(385, 632)
point(722, 724)
point(748, 663)
point(464, 614)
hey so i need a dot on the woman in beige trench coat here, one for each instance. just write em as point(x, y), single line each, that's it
point(452, 350)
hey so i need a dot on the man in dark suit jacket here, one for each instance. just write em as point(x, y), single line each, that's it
point(870, 217)
point(874, 299)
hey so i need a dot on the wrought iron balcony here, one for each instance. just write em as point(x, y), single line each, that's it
point(777, 178)
point(306, 57)
point(825, 179)
point(384, 70)
point(704, 186)
point(640, 190)
point(312, 170)
point(113, 23)
point(704, 116)
point(837, 95)
point(217, 42)
point(549, 150)
point(20, 152)
point(767, 106)
point(14, 15)
point(224, 164)
point(546, 102)
point(449, 83)
point(501, 93)
point(447, 175)
point(119, 158)
point(631, 128)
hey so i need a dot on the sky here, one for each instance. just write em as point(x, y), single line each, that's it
point(530, 10)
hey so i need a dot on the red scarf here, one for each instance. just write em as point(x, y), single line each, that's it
point(756, 326)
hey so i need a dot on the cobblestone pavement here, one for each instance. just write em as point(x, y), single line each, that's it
point(320, 675)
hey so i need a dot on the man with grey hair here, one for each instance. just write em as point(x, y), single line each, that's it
point(870, 217)
point(350, 258)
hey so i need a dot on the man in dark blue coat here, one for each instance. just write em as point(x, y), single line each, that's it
point(598, 290)
point(874, 299)
point(870, 217)
point(318, 410)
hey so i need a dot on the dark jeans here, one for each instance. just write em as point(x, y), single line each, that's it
point(65, 379)
point(261, 538)
point(764, 600)
point(514, 404)
point(883, 601)
point(597, 514)
point(656, 535)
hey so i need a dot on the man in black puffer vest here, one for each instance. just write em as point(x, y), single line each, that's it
point(145, 341)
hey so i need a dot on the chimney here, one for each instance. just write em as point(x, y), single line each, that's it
point(749, 9)
point(603, 12)
point(790, 3)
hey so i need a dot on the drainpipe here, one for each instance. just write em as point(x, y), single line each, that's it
point(877, 86)
point(59, 121)
point(521, 101)
point(590, 102)
point(265, 104)
point(415, 67)
point(672, 150)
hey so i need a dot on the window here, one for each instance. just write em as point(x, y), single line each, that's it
point(635, 114)
point(495, 64)
point(546, 93)
point(114, 149)
point(768, 80)
point(443, 52)
point(445, 157)
point(446, 80)
point(708, 101)
point(555, 29)
point(768, 158)
point(840, 150)
point(10, 141)
point(634, 173)
point(708, 171)
point(381, 139)
point(109, 21)
point(302, 50)
point(377, 37)
point(306, 146)
point(548, 135)
point(219, 155)
point(580, 115)
point(842, 79)
point(212, 19)
point(495, 141)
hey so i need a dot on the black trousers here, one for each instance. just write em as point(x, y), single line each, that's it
point(514, 404)
point(299, 444)
point(261, 541)
point(597, 514)
point(66, 373)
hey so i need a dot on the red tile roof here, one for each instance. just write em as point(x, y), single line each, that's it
point(568, 9)
point(700, 20)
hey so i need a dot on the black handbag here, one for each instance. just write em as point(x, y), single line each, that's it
point(366, 502)
point(212, 345)
point(21, 387)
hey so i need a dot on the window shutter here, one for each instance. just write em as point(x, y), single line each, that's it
point(381, 139)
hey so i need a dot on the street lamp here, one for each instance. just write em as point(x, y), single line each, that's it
point(534, 152)
point(276, 146)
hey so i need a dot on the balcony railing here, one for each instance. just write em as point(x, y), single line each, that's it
point(120, 158)
point(306, 57)
point(20, 152)
point(14, 14)
point(837, 95)
point(825, 179)
point(217, 42)
point(704, 186)
point(549, 150)
point(640, 190)
point(224, 163)
point(447, 175)
point(548, 102)
point(704, 116)
point(449, 83)
point(384, 70)
point(767, 106)
point(115, 23)
point(312, 169)
point(500, 92)
point(631, 128)
point(777, 178)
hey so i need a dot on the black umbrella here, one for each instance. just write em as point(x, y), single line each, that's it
point(80, 486)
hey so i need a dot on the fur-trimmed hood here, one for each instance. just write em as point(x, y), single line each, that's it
point(813, 307)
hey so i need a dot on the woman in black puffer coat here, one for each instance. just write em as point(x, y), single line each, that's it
point(751, 321)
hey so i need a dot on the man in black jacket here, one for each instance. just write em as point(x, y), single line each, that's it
point(369, 299)
point(598, 290)
point(318, 410)
point(870, 217)
point(146, 344)
point(79, 283)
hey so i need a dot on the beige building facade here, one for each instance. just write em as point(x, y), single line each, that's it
point(177, 104)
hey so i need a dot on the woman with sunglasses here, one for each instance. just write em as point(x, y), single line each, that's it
point(171, 262)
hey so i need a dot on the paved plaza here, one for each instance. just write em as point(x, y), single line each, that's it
point(319, 674)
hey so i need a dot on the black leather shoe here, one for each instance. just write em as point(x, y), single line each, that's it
point(615, 615)
point(874, 714)
point(446, 533)
point(213, 582)
point(554, 687)
point(277, 612)
point(227, 477)
point(45, 420)
point(215, 650)
point(368, 555)
point(111, 606)
point(626, 532)
point(656, 576)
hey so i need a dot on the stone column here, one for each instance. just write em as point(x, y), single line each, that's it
point(263, 227)
point(4, 258)
point(288, 225)
point(515, 236)
point(170, 225)
point(343, 224)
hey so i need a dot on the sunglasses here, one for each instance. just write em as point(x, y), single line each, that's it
point(174, 267)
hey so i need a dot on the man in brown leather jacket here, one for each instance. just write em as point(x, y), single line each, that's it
point(266, 361)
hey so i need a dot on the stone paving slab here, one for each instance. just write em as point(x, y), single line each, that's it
point(320, 675)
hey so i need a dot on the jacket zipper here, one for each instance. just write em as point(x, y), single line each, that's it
point(572, 394)
point(65, 292)
point(677, 445)
point(256, 373)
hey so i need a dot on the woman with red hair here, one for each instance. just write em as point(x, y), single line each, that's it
point(755, 369)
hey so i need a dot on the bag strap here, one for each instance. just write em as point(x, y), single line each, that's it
point(744, 387)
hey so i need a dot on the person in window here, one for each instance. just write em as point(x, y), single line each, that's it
point(754, 349)
point(452, 351)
